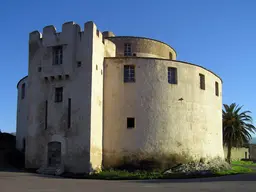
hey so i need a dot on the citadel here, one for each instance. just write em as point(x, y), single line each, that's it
point(91, 98)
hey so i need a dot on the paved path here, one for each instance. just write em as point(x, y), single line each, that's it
point(26, 182)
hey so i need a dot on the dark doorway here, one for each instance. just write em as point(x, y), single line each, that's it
point(54, 154)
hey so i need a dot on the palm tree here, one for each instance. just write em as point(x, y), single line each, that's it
point(237, 127)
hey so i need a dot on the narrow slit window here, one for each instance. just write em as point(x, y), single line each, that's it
point(172, 75)
point(202, 81)
point(130, 122)
point(129, 73)
point(127, 49)
point(69, 113)
point(23, 89)
point(46, 115)
point(216, 88)
point(24, 145)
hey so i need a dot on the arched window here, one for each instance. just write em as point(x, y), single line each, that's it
point(170, 55)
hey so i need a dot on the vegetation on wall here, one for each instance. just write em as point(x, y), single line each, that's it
point(237, 127)
point(9, 155)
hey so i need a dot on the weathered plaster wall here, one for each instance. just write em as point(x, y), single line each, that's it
point(164, 125)
point(83, 140)
point(143, 47)
point(22, 115)
point(237, 153)
point(96, 134)
point(252, 151)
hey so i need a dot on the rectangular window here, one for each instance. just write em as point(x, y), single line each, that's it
point(46, 115)
point(127, 49)
point(129, 73)
point(23, 87)
point(58, 94)
point(216, 88)
point(79, 63)
point(57, 55)
point(130, 122)
point(69, 113)
point(172, 75)
point(202, 81)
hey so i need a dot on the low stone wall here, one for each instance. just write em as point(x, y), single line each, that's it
point(252, 150)
point(237, 153)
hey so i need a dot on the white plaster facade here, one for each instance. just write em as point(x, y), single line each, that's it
point(90, 121)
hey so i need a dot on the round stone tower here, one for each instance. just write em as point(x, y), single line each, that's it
point(156, 106)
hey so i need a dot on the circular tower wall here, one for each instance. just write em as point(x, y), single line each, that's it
point(22, 113)
point(143, 47)
point(170, 119)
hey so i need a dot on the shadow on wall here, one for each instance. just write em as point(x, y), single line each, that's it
point(148, 162)
point(9, 156)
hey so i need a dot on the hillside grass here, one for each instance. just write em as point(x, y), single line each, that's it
point(236, 169)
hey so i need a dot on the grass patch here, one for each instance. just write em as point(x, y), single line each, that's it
point(142, 175)
point(125, 175)
point(249, 163)
point(235, 170)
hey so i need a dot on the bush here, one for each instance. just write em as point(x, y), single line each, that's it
point(17, 159)
point(10, 156)
point(199, 167)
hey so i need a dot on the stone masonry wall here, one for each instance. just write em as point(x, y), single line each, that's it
point(164, 124)
point(143, 47)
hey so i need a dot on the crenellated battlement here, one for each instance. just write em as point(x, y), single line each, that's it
point(70, 32)
point(35, 36)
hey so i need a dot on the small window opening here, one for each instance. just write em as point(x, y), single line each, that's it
point(79, 63)
point(127, 49)
point(172, 75)
point(57, 55)
point(58, 94)
point(69, 112)
point(129, 73)
point(130, 122)
point(170, 55)
point(216, 88)
point(23, 87)
point(24, 145)
point(202, 81)
point(46, 115)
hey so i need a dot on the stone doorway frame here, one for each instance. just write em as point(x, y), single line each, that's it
point(54, 150)
point(56, 138)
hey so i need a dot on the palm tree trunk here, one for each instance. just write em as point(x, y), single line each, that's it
point(229, 152)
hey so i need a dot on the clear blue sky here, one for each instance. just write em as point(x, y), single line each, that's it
point(219, 35)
